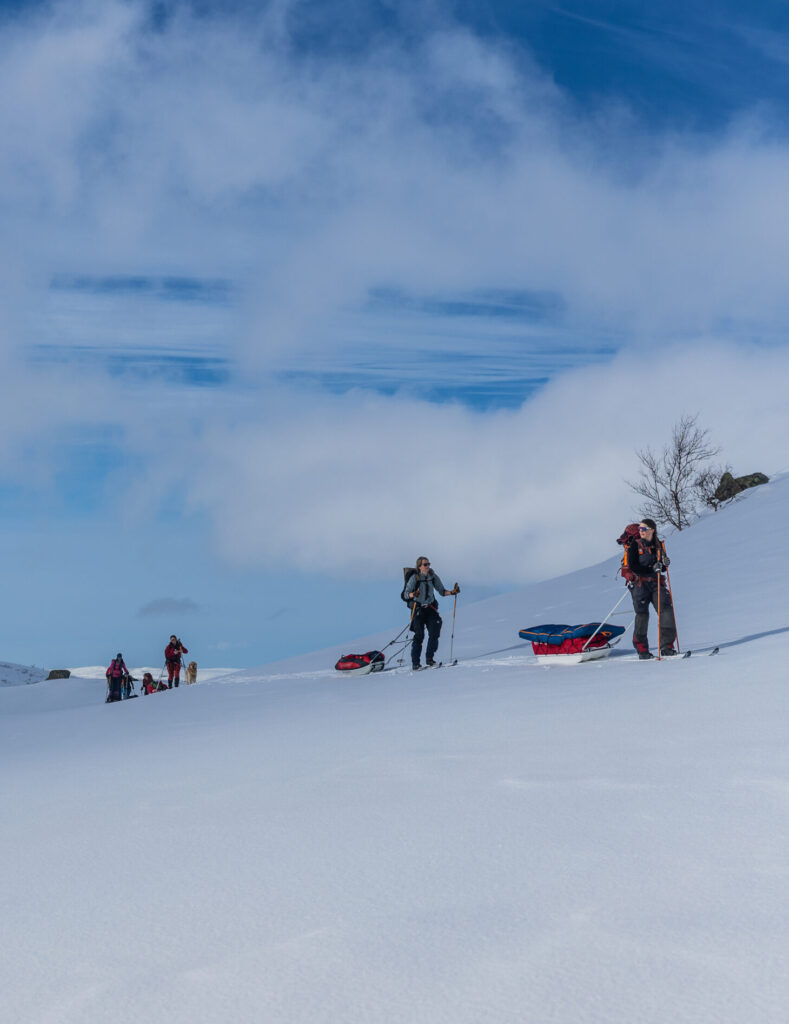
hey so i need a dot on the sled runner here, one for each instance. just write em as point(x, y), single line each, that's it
point(360, 664)
point(559, 644)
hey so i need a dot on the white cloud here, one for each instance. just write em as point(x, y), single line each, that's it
point(354, 485)
point(211, 145)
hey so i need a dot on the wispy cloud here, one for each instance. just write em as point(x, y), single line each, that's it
point(168, 606)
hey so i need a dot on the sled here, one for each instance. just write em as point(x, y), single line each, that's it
point(360, 664)
point(559, 644)
point(591, 654)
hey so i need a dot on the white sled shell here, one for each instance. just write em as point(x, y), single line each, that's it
point(362, 670)
point(592, 654)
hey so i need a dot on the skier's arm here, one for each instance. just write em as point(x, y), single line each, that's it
point(412, 586)
point(443, 590)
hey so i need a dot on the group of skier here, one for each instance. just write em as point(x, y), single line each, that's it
point(645, 560)
point(120, 682)
point(646, 563)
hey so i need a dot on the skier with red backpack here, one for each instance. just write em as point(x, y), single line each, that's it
point(643, 565)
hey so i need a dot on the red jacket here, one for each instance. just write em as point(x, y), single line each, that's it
point(172, 653)
point(149, 686)
point(117, 670)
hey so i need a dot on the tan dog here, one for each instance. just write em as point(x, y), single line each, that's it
point(191, 672)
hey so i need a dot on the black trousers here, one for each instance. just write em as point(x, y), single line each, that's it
point(425, 618)
point(644, 594)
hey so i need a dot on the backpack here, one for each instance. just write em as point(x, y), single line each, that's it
point(630, 534)
point(407, 574)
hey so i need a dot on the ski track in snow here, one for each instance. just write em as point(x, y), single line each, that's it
point(499, 841)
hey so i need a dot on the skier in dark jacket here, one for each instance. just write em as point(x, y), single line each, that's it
point(647, 559)
point(172, 656)
point(420, 589)
point(116, 673)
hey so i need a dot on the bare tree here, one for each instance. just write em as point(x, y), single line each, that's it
point(672, 482)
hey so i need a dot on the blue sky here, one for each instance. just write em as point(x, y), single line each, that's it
point(295, 292)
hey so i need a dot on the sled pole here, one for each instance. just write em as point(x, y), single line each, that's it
point(591, 638)
point(452, 641)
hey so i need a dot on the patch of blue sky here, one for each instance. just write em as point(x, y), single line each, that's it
point(74, 480)
point(672, 63)
point(141, 365)
point(531, 306)
point(86, 589)
point(85, 469)
point(171, 329)
point(166, 288)
point(486, 349)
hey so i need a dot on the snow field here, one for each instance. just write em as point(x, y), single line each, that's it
point(494, 842)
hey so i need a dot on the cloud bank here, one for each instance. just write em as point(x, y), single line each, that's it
point(355, 485)
point(212, 146)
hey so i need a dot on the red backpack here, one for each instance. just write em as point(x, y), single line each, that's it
point(630, 534)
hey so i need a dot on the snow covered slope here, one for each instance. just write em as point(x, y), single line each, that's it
point(495, 842)
point(20, 675)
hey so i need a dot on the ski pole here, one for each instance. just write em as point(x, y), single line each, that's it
point(452, 640)
point(591, 638)
point(673, 609)
point(659, 641)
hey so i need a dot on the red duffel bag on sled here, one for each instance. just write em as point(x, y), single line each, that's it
point(361, 664)
point(559, 643)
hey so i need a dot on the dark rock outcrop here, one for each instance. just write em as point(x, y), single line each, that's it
point(730, 485)
point(59, 673)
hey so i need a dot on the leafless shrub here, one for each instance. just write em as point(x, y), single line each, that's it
point(677, 481)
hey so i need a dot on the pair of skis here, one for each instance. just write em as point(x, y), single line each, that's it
point(685, 654)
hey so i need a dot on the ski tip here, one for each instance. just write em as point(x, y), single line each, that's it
point(714, 651)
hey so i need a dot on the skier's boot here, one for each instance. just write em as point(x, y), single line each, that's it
point(668, 652)
point(645, 656)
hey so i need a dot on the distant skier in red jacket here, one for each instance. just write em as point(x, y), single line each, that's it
point(151, 685)
point(172, 656)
